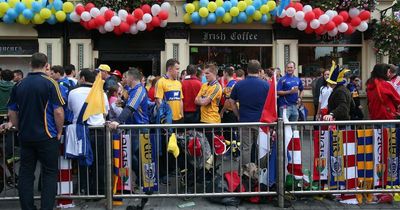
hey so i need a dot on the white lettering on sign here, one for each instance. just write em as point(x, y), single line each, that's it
point(307, 82)
point(234, 36)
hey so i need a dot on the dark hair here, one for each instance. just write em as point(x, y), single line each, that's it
point(240, 73)
point(69, 68)
point(89, 76)
point(136, 74)
point(111, 90)
point(229, 71)
point(18, 71)
point(353, 77)
point(171, 62)
point(58, 69)
point(379, 72)
point(38, 60)
point(253, 67)
point(154, 81)
point(7, 75)
point(183, 72)
point(270, 71)
point(191, 70)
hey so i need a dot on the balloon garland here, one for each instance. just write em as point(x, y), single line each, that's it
point(106, 20)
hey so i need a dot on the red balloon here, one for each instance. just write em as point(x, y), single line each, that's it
point(138, 13)
point(330, 26)
point(85, 24)
point(286, 21)
point(124, 27)
point(146, 8)
point(298, 6)
point(309, 30)
point(364, 15)
point(149, 27)
point(108, 15)
point(291, 4)
point(79, 9)
point(337, 20)
point(163, 15)
point(100, 20)
point(155, 22)
point(345, 15)
point(117, 31)
point(309, 16)
point(92, 24)
point(130, 19)
point(350, 30)
point(355, 21)
point(89, 6)
point(320, 30)
point(318, 12)
point(278, 20)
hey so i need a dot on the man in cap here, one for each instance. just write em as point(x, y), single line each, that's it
point(110, 81)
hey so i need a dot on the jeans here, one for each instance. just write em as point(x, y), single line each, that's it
point(47, 153)
point(292, 112)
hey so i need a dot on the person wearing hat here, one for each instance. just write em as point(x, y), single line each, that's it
point(105, 72)
point(340, 100)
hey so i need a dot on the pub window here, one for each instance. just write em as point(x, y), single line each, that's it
point(49, 51)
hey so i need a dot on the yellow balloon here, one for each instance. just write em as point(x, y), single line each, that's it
point(190, 8)
point(234, 11)
point(12, 3)
point(219, 3)
point(37, 19)
point(212, 6)
point(1, 14)
point(219, 20)
point(21, 19)
point(53, 11)
point(264, 9)
point(249, 20)
point(61, 16)
point(227, 18)
point(203, 12)
point(4, 7)
point(196, 5)
point(28, 4)
point(257, 15)
point(187, 18)
point(68, 7)
point(45, 13)
point(249, 2)
point(242, 6)
point(271, 5)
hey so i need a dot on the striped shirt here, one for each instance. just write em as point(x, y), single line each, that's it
point(138, 102)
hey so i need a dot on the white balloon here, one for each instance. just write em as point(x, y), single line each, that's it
point(335, 13)
point(163, 23)
point(343, 27)
point(165, 6)
point(141, 26)
point(354, 12)
point(147, 18)
point(294, 23)
point(283, 14)
point(330, 13)
point(94, 12)
point(290, 12)
point(122, 14)
point(108, 26)
point(307, 8)
point(333, 32)
point(314, 24)
point(102, 30)
point(75, 17)
point(116, 21)
point(323, 19)
point(103, 10)
point(363, 26)
point(155, 9)
point(85, 16)
point(133, 29)
point(302, 25)
point(299, 16)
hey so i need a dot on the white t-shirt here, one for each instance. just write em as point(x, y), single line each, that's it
point(73, 80)
point(324, 94)
point(77, 98)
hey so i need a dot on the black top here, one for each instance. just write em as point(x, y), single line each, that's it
point(339, 103)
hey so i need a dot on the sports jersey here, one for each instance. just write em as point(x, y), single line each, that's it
point(138, 102)
point(171, 91)
point(286, 83)
point(227, 93)
point(209, 113)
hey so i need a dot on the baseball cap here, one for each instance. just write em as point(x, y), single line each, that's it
point(104, 67)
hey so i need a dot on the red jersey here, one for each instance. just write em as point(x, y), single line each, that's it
point(190, 89)
point(383, 100)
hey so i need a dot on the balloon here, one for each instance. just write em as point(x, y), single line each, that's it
point(75, 17)
point(314, 24)
point(108, 26)
point(333, 32)
point(196, 5)
point(220, 11)
point(320, 30)
point(212, 18)
point(345, 15)
point(228, 5)
point(227, 18)
point(257, 4)
point(21, 19)
point(155, 21)
point(141, 26)
point(89, 6)
point(133, 29)
point(204, 3)
point(45, 13)
point(58, 4)
point(271, 5)
point(94, 12)
point(190, 8)
point(250, 10)
point(355, 21)
point(234, 20)
point(264, 19)
point(290, 12)
point(163, 23)
point(147, 18)
point(155, 9)
point(307, 8)
point(4, 7)
point(257, 15)
point(219, 3)
point(330, 26)
point(203, 12)
point(146, 8)
point(212, 6)
point(102, 30)
point(195, 17)
point(130, 19)
point(363, 26)
point(309, 30)
point(100, 20)
point(19, 7)
point(68, 7)
point(60, 16)
point(28, 14)
point(337, 20)
point(92, 24)
point(122, 14)
point(318, 12)
point(203, 21)
point(138, 13)
point(293, 24)
point(242, 17)
point(165, 6)
point(117, 31)
point(234, 11)
point(283, 13)
point(249, 20)
point(12, 3)
point(37, 19)
point(78, 9)
point(264, 9)
point(163, 15)
point(7, 19)
point(103, 10)
point(248, 2)
point(108, 14)
point(124, 27)
point(350, 30)
point(299, 16)
point(52, 20)
point(116, 21)
point(302, 25)
point(323, 19)
point(286, 21)
point(85, 16)
point(342, 27)
point(364, 15)
point(309, 16)
point(330, 13)
point(354, 12)
point(187, 19)
point(11, 13)
point(298, 6)
point(219, 20)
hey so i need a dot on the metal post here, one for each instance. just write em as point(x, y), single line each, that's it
point(109, 200)
point(281, 164)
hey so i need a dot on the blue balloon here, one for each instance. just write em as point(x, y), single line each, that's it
point(7, 19)
point(44, 3)
point(58, 5)
point(36, 7)
point(234, 3)
point(184, 7)
point(220, 12)
point(49, 6)
point(274, 12)
point(227, 5)
point(235, 20)
point(242, 17)
point(257, 4)
point(52, 20)
point(212, 18)
point(69, 17)
point(2, 1)
point(28, 14)
point(203, 21)
point(250, 10)
point(196, 17)
point(19, 7)
point(264, 1)
point(12, 14)
point(264, 19)
point(203, 3)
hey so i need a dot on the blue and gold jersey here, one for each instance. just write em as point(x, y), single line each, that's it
point(138, 102)
point(171, 91)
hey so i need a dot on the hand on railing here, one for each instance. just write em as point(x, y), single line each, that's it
point(328, 117)
point(112, 125)
point(5, 127)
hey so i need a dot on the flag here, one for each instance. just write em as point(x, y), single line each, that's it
point(122, 162)
point(64, 180)
point(94, 103)
point(321, 155)
point(294, 165)
point(365, 164)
